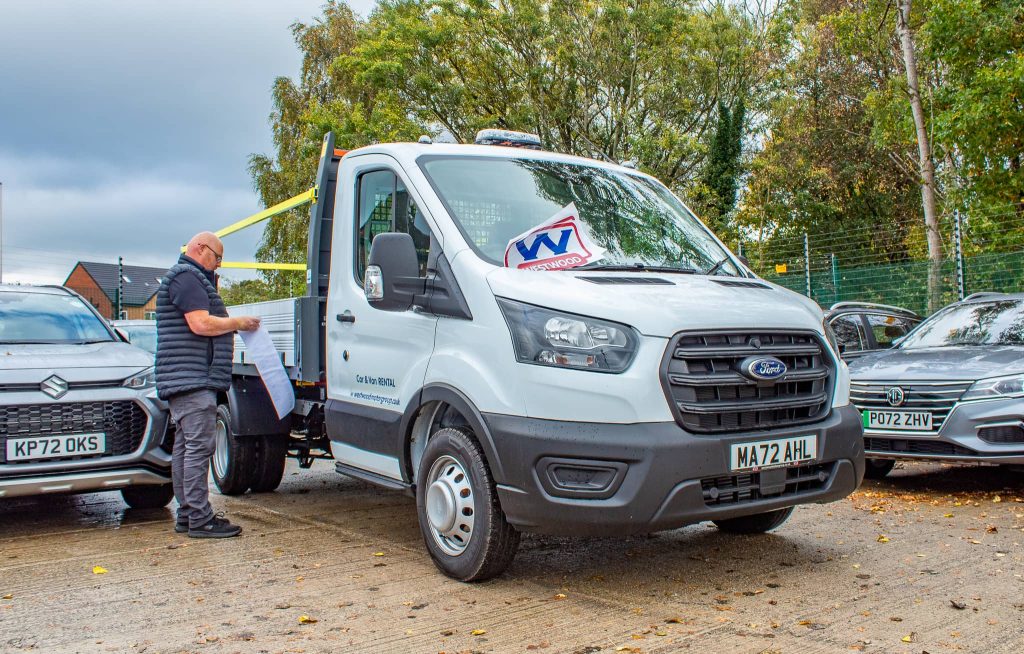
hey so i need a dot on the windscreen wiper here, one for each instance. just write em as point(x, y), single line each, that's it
point(636, 267)
point(715, 268)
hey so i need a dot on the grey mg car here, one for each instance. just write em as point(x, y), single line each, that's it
point(78, 406)
point(951, 390)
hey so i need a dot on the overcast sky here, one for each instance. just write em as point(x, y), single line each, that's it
point(126, 125)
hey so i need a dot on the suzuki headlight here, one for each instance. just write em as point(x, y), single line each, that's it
point(545, 337)
point(143, 380)
point(1010, 386)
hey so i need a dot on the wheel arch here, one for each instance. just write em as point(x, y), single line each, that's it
point(441, 405)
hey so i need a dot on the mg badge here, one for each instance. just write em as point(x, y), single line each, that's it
point(54, 386)
point(895, 396)
point(762, 368)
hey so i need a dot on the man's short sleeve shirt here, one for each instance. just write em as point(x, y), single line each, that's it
point(188, 294)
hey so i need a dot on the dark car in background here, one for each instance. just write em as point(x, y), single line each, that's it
point(862, 327)
point(951, 390)
point(78, 407)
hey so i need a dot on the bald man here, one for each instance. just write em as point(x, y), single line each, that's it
point(195, 344)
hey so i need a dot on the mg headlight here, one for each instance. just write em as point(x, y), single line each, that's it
point(545, 337)
point(1010, 386)
point(141, 381)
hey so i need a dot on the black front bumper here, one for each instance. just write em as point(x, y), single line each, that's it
point(591, 479)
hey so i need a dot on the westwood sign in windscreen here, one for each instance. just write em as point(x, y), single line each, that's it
point(561, 241)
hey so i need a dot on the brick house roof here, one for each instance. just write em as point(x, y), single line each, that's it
point(140, 282)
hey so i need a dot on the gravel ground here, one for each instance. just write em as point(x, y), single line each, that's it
point(929, 560)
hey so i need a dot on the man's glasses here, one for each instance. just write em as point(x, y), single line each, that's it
point(218, 257)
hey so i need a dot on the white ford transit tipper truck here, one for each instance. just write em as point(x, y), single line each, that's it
point(529, 341)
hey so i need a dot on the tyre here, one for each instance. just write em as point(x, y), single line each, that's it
point(271, 455)
point(233, 457)
point(878, 468)
point(758, 523)
point(148, 497)
point(457, 503)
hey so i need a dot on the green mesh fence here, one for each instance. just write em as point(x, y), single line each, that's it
point(904, 284)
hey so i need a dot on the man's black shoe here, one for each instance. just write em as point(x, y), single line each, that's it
point(180, 527)
point(217, 527)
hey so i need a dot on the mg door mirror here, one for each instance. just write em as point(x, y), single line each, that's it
point(392, 279)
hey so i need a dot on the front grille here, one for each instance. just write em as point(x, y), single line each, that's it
point(124, 424)
point(913, 446)
point(707, 393)
point(736, 489)
point(1002, 434)
point(936, 397)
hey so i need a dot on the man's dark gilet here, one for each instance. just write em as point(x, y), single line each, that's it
point(186, 361)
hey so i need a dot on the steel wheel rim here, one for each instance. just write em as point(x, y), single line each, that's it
point(220, 453)
point(450, 505)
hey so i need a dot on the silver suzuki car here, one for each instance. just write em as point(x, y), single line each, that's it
point(78, 406)
point(950, 390)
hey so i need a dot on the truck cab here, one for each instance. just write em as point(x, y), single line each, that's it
point(531, 341)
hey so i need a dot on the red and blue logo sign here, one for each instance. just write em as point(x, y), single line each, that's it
point(559, 242)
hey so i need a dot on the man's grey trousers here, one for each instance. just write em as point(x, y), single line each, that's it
point(195, 419)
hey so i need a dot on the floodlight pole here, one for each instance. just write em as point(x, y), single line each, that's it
point(1, 232)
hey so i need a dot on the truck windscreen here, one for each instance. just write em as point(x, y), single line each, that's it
point(638, 222)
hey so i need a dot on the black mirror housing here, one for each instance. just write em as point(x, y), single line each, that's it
point(392, 279)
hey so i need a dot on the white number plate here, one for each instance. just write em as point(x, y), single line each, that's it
point(773, 454)
point(52, 447)
point(907, 420)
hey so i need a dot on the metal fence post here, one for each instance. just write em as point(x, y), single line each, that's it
point(807, 263)
point(959, 249)
point(835, 277)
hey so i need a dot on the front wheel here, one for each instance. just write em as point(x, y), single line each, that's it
point(462, 522)
point(148, 497)
point(758, 523)
point(233, 457)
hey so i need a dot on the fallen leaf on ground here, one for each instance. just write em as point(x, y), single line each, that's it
point(882, 538)
point(8, 596)
point(378, 553)
point(958, 605)
point(947, 515)
point(909, 638)
point(560, 596)
point(674, 621)
point(478, 632)
point(305, 619)
point(99, 570)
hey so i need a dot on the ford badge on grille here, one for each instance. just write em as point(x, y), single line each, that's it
point(762, 368)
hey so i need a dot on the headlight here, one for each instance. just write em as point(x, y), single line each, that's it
point(1011, 386)
point(142, 380)
point(551, 338)
point(830, 335)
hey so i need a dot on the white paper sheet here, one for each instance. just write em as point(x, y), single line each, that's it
point(259, 349)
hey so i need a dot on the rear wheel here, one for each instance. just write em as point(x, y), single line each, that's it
point(271, 455)
point(148, 497)
point(758, 523)
point(233, 457)
point(462, 522)
point(878, 468)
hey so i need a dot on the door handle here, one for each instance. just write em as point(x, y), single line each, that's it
point(346, 317)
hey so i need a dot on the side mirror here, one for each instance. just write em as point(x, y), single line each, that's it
point(122, 334)
point(392, 279)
